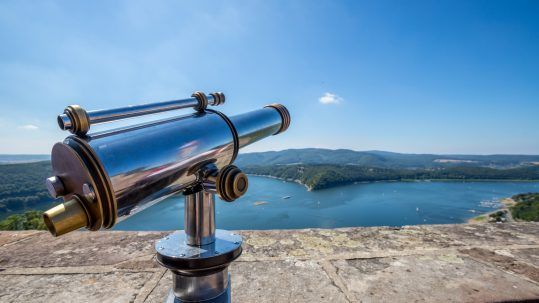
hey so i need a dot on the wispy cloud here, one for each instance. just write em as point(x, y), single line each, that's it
point(329, 98)
point(28, 127)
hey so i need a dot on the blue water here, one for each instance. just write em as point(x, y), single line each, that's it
point(368, 204)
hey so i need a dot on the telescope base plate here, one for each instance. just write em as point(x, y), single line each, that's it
point(199, 273)
point(174, 253)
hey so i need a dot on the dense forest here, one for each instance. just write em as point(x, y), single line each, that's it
point(324, 176)
point(527, 207)
point(29, 220)
point(22, 187)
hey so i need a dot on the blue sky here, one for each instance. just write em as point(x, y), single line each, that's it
point(404, 76)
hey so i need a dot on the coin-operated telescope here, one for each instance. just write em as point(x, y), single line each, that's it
point(105, 177)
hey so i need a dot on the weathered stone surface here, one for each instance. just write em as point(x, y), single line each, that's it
point(78, 249)
point(428, 263)
point(283, 281)
point(11, 237)
point(505, 260)
point(109, 287)
point(341, 242)
point(431, 278)
point(530, 255)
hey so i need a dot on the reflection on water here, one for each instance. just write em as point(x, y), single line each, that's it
point(365, 204)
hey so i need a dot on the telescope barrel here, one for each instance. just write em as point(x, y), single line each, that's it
point(117, 173)
point(77, 120)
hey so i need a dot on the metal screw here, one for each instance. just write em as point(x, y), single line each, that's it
point(55, 187)
point(161, 248)
point(216, 253)
point(88, 192)
point(236, 242)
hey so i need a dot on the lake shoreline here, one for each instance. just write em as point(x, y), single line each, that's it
point(309, 188)
point(483, 218)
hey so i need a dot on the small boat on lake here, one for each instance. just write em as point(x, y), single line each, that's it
point(286, 197)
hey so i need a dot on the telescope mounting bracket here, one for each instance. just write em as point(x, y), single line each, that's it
point(199, 256)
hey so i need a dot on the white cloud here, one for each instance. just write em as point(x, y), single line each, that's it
point(329, 98)
point(29, 127)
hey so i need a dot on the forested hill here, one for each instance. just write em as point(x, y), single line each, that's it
point(324, 176)
point(22, 187)
point(382, 159)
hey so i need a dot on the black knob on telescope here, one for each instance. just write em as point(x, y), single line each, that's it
point(231, 183)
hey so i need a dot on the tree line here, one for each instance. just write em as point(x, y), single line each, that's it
point(325, 176)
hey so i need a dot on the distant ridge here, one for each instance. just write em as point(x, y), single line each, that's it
point(13, 159)
point(382, 159)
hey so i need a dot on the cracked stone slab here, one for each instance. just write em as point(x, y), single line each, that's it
point(491, 234)
point(431, 278)
point(504, 260)
point(81, 288)
point(529, 255)
point(10, 237)
point(78, 249)
point(272, 281)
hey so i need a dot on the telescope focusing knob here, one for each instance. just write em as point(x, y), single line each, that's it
point(231, 183)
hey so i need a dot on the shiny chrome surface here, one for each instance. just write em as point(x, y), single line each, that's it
point(256, 125)
point(150, 162)
point(129, 169)
point(223, 298)
point(200, 288)
point(108, 115)
point(199, 218)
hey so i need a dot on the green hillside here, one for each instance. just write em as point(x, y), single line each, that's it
point(382, 159)
point(527, 207)
point(22, 187)
point(324, 176)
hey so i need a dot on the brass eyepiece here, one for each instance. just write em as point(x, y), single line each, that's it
point(66, 217)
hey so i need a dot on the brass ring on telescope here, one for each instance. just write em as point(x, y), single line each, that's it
point(79, 118)
point(202, 101)
point(285, 115)
point(218, 97)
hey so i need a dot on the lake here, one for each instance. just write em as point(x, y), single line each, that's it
point(365, 204)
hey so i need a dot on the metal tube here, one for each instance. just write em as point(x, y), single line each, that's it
point(256, 125)
point(199, 218)
point(108, 115)
point(132, 168)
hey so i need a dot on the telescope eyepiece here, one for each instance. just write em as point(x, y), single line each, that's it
point(66, 217)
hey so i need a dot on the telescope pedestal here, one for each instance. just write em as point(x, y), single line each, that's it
point(199, 269)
